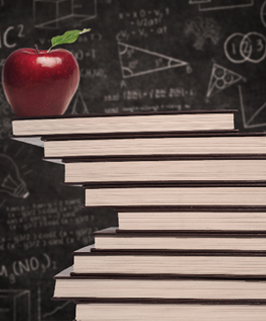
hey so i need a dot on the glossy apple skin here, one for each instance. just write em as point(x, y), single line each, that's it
point(40, 83)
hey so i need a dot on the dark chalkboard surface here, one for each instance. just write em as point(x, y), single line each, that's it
point(139, 56)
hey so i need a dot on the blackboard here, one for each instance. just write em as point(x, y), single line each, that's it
point(139, 56)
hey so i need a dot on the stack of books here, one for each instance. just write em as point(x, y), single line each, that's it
point(190, 192)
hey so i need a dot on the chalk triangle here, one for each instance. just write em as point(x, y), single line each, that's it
point(136, 61)
point(221, 78)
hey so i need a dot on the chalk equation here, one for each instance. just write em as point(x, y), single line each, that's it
point(143, 23)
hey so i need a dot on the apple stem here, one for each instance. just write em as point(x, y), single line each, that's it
point(37, 49)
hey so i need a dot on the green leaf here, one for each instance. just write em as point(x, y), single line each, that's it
point(68, 37)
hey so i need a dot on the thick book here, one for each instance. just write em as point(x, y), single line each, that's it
point(124, 123)
point(227, 168)
point(215, 219)
point(227, 264)
point(155, 145)
point(147, 194)
point(113, 239)
point(185, 311)
point(69, 287)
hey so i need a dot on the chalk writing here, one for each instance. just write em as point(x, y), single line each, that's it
point(149, 108)
point(46, 225)
point(154, 93)
point(143, 23)
point(92, 73)
point(83, 54)
point(28, 265)
point(17, 31)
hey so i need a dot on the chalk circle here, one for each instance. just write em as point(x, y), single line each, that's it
point(219, 72)
point(263, 14)
point(220, 84)
point(228, 78)
point(230, 41)
point(249, 37)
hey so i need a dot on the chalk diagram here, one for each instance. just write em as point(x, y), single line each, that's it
point(15, 305)
point(136, 61)
point(56, 310)
point(254, 120)
point(62, 13)
point(221, 78)
point(10, 180)
point(79, 105)
point(51, 313)
point(263, 14)
point(202, 29)
point(198, 1)
point(250, 47)
point(221, 4)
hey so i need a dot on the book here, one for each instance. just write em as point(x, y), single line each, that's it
point(146, 194)
point(138, 288)
point(186, 311)
point(154, 145)
point(216, 219)
point(229, 264)
point(201, 169)
point(113, 239)
point(124, 123)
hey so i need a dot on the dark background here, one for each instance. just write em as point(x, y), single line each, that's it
point(139, 56)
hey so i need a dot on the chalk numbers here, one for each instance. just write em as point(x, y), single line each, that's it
point(255, 44)
point(250, 47)
point(10, 32)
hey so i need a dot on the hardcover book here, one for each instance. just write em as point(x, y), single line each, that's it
point(229, 264)
point(138, 288)
point(154, 145)
point(124, 123)
point(187, 311)
point(162, 194)
point(188, 219)
point(114, 239)
point(176, 168)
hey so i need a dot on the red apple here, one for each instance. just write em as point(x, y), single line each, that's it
point(40, 83)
